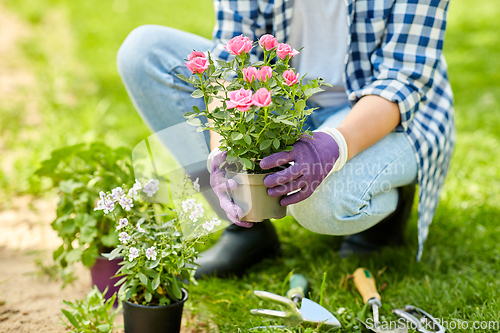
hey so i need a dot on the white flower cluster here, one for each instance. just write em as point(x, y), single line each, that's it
point(195, 209)
point(210, 225)
point(108, 201)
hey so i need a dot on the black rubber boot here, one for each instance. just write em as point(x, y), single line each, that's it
point(389, 231)
point(238, 249)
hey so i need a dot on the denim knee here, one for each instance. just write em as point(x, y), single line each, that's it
point(136, 51)
point(333, 213)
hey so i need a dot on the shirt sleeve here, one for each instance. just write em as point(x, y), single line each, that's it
point(251, 18)
point(405, 63)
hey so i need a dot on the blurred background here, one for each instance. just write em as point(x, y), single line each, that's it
point(59, 86)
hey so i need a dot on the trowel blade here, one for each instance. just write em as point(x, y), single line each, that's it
point(315, 313)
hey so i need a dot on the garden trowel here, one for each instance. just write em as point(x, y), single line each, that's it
point(310, 313)
point(365, 283)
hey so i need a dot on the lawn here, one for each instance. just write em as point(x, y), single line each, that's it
point(70, 50)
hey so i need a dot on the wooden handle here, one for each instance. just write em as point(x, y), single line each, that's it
point(365, 283)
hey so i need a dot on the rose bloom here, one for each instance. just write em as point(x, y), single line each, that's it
point(250, 73)
point(240, 99)
point(268, 42)
point(196, 54)
point(266, 72)
point(286, 50)
point(197, 65)
point(262, 97)
point(290, 77)
point(239, 45)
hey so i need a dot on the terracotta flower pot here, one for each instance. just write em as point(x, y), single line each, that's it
point(251, 196)
point(154, 319)
point(101, 273)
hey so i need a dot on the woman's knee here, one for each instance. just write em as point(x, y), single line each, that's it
point(139, 47)
point(339, 213)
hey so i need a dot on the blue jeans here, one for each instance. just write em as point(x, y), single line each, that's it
point(348, 201)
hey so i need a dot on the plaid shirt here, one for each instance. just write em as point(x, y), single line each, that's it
point(395, 51)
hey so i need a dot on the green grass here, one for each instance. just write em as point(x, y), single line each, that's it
point(80, 97)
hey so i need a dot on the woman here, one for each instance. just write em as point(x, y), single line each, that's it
point(390, 112)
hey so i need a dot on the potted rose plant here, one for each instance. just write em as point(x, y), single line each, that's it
point(157, 243)
point(78, 172)
point(262, 111)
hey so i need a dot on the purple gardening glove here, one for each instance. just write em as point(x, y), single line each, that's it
point(313, 159)
point(221, 185)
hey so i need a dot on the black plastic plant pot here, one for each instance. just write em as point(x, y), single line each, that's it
point(154, 319)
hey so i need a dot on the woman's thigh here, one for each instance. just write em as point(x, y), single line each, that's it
point(364, 191)
point(148, 61)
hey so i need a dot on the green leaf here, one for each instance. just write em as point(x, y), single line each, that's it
point(276, 143)
point(197, 93)
point(85, 220)
point(247, 139)
point(103, 328)
point(89, 256)
point(287, 122)
point(176, 288)
point(249, 117)
point(271, 134)
point(144, 279)
point(219, 115)
point(189, 114)
point(71, 318)
point(148, 296)
point(114, 254)
point(265, 144)
point(309, 92)
point(247, 163)
point(74, 255)
point(300, 105)
point(69, 186)
point(156, 282)
point(194, 122)
point(183, 78)
point(87, 235)
point(155, 263)
point(123, 279)
point(289, 148)
point(236, 136)
point(111, 239)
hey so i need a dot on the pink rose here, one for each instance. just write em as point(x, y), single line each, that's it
point(239, 45)
point(266, 72)
point(286, 50)
point(197, 65)
point(240, 99)
point(268, 42)
point(290, 77)
point(196, 54)
point(262, 97)
point(250, 74)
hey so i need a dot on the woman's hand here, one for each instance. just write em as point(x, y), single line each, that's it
point(313, 159)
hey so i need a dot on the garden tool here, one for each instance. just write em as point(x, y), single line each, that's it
point(309, 313)
point(419, 319)
point(365, 283)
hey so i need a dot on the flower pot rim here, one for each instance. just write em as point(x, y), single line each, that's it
point(182, 300)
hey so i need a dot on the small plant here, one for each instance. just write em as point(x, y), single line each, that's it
point(157, 241)
point(93, 314)
point(263, 108)
point(78, 172)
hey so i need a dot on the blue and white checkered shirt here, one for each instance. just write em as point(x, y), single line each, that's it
point(395, 51)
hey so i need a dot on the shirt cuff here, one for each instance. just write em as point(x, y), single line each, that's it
point(211, 157)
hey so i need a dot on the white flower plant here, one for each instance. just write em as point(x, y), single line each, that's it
point(157, 241)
